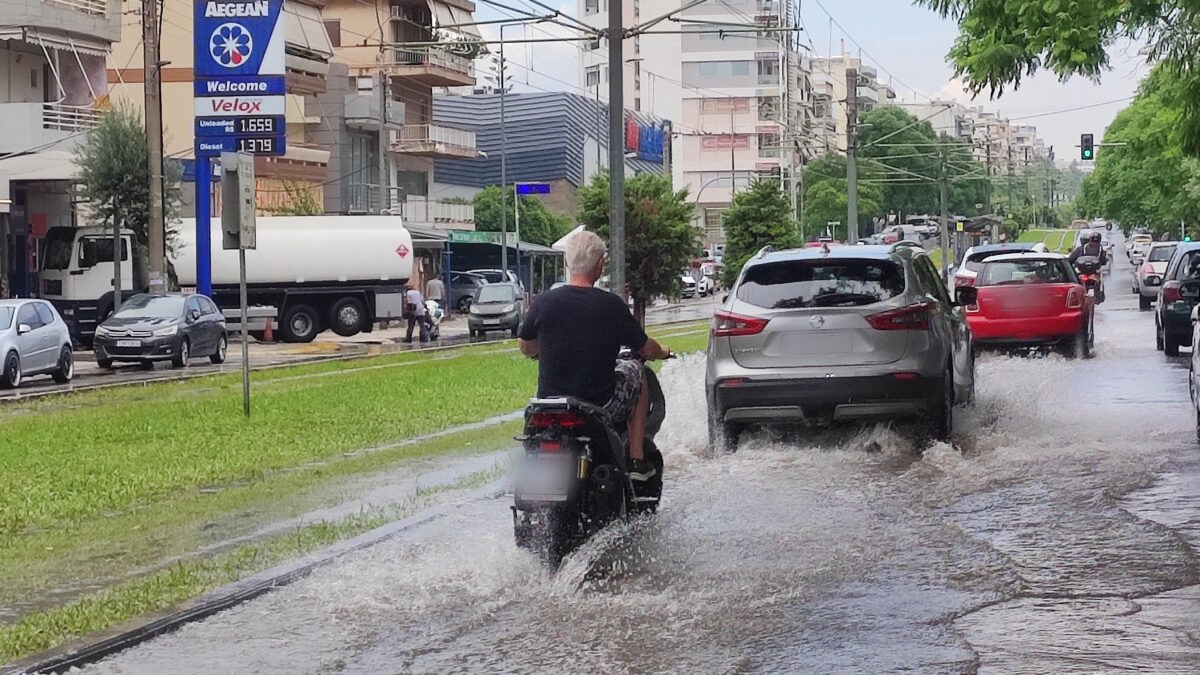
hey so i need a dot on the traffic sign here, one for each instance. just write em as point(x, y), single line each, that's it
point(533, 188)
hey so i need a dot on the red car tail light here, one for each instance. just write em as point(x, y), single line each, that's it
point(963, 281)
point(1148, 268)
point(1075, 298)
point(728, 324)
point(912, 317)
point(1170, 291)
point(563, 420)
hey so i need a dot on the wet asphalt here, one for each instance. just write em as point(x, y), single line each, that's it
point(1058, 533)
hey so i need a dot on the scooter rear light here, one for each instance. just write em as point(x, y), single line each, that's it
point(563, 420)
point(550, 446)
point(1171, 292)
point(912, 317)
point(728, 324)
point(1075, 298)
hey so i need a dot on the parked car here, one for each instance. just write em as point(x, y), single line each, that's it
point(34, 340)
point(162, 327)
point(975, 257)
point(1178, 294)
point(1194, 369)
point(462, 289)
point(1032, 300)
point(1137, 244)
point(496, 307)
point(695, 285)
point(499, 277)
point(849, 333)
point(1148, 275)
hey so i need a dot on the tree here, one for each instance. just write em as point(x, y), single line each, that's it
point(659, 237)
point(1002, 41)
point(538, 225)
point(907, 157)
point(757, 217)
point(114, 177)
point(824, 182)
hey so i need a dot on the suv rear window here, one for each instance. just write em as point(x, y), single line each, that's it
point(820, 283)
point(1160, 254)
point(975, 261)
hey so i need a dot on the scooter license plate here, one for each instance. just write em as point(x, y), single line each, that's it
point(545, 476)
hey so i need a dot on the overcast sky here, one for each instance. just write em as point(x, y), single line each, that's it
point(907, 44)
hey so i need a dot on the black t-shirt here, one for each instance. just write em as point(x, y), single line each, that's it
point(579, 333)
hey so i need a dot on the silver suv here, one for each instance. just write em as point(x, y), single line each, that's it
point(838, 334)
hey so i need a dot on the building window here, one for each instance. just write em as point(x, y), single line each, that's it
point(723, 68)
point(412, 183)
point(768, 108)
point(637, 104)
point(768, 72)
point(363, 169)
point(334, 28)
point(768, 145)
point(712, 224)
point(591, 6)
point(724, 105)
point(591, 76)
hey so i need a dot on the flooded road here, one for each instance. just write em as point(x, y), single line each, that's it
point(1058, 534)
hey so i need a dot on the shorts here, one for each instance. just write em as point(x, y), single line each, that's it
point(630, 375)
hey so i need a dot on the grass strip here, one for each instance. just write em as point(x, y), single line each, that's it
point(191, 578)
point(72, 462)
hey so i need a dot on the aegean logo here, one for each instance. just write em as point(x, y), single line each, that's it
point(231, 10)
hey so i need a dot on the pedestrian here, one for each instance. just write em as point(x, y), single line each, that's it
point(414, 312)
point(436, 290)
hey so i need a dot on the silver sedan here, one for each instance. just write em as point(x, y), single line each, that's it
point(33, 341)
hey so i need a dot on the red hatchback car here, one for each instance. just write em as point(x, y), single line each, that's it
point(1032, 300)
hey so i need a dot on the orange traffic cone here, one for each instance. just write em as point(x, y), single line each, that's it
point(268, 333)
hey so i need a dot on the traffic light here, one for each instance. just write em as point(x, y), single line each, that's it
point(1087, 149)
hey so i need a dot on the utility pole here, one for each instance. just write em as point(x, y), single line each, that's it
point(732, 150)
point(616, 147)
point(987, 187)
point(384, 201)
point(156, 236)
point(851, 162)
point(944, 189)
point(503, 162)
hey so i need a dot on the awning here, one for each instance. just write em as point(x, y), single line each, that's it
point(306, 30)
point(447, 15)
point(48, 165)
point(83, 45)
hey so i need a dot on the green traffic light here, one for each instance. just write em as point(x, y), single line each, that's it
point(1087, 154)
point(1187, 239)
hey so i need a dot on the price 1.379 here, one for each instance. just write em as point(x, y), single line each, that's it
point(259, 146)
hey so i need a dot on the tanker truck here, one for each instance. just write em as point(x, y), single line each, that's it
point(341, 273)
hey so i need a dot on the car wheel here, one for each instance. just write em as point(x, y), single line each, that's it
point(300, 324)
point(722, 436)
point(181, 357)
point(106, 364)
point(464, 304)
point(1080, 348)
point(218, 357)
point(1158, 337)
point(347, 316)
point(513, 332)
point(10, 378)
point(66, 366)
point(1143, 303)
point(1170, 344)
point(941, 425)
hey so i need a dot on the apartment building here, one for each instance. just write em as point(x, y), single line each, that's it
point(278, 180)
point(52, 89)
point(736, 90)
point(413, 71)
point(832, 91)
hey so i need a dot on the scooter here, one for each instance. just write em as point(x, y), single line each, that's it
point(574, 479)
point(435, 313)
point(1089, 269)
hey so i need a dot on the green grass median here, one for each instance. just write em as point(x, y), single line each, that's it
point(133, 490)
point(1056, 241)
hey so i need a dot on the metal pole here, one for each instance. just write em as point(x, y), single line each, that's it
point(151, 70)
point(116, 265)
point(851, 160)
point(517, 223)
point(616, 148)
point(384, 178)
point(944, 189)
point(503, 163)
point(204, 225)
point(245, 341)
point(732, 153)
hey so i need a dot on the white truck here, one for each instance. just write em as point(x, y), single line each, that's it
point(337, 272)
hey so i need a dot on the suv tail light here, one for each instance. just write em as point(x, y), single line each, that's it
point(911, 317)
point(1171, 293)
point(728, 324)
point(1075, 298)
point(1148, 268)
point(564, 420)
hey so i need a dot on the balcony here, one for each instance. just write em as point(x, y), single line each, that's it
point(867, 94)
point(94, 7)
point(362, 112)
point(424, 211)
point(25, 125)
point(428, 140)
point(436, 67)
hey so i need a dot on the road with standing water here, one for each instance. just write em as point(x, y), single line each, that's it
point(1058, 534)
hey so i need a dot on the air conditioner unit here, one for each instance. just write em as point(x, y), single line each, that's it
point(397, 12)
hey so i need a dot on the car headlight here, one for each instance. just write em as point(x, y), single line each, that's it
point(474, 309)
point(507, 309)
point(101, 331)
point(167, 332)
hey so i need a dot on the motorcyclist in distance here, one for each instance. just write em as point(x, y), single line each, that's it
point(1094, 246)
point(576, 332)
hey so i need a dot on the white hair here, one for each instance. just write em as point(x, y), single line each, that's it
point(584, 252)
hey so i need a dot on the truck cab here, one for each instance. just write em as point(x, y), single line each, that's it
point(77, 275)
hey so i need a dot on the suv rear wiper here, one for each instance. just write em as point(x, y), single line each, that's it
point(838, 298)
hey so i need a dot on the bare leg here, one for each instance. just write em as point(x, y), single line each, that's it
point(637, 424)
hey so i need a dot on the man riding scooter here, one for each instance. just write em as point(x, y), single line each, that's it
point(576, 332)
point(1089, 258)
